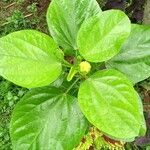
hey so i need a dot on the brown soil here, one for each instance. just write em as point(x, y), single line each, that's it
point(135, 10)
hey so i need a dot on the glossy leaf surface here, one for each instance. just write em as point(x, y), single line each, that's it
point(134, 58)
point(47, 119)
point(29, 58)
point(101, 37)
point(110, 103)
point(64, 18)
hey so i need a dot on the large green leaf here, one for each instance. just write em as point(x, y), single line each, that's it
point(101, 37)
point(64, 18)
point(134, 58)
point(109, 102)
point(29, 58)
point(47, 119)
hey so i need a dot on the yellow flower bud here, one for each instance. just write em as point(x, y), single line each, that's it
point(85, 67)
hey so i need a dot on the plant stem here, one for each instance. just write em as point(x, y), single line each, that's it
point(66, 64)
point(72, 85)
point(28, 15)
point(10, 5)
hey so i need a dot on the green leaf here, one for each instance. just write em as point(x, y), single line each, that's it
point(73, 70)
point(29, 58)
point(134, 58)
point(64, 18)
point(47, 119)
point(113, 104)
point(101, 37)
point(143, 129)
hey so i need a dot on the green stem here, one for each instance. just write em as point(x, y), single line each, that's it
point(65, 63)
point(72, 85)
point(73, 70)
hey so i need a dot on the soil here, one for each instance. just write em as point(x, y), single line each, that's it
point(41, 5)
point(135, 9)
point(146, 18)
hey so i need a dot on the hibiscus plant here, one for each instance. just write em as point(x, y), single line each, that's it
point(94, 87)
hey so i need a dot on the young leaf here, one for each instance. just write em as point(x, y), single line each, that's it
point(113, 104)
point(29, 58)
point(47, 119)
point(134, 58)
point(64, 18)
point(101, 36)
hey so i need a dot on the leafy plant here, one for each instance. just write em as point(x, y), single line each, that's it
point(55, 114)
point(9, 96)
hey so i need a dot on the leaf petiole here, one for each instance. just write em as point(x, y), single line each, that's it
point(66, 64)
point(70, 87)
